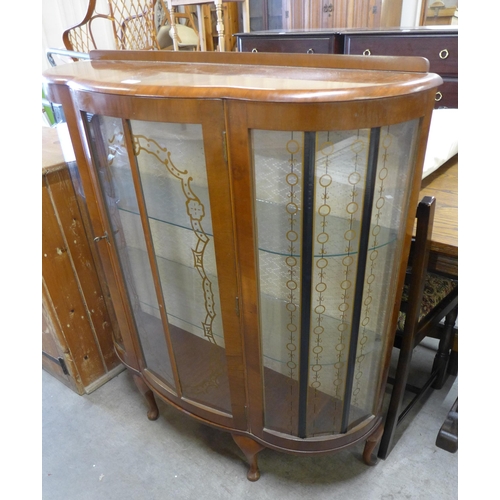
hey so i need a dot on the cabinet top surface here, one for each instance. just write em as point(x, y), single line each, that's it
point(52, 155)
point(272, 83)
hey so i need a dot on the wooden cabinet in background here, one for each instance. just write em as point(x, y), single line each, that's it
point(437, 44)
point(77, 326)
point(268, 14)
point(303, 42)
point(323, 14)
point(254, 214)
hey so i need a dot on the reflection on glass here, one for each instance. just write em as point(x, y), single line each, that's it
point(306, 348)
point(171, 194)
point(115, 176)
point(172, 168)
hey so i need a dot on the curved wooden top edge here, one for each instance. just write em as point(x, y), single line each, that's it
point(220, 78)
point(382, 63)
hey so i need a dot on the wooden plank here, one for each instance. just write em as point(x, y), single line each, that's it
point(65, 293)
point(72, 228)
point(77, 324)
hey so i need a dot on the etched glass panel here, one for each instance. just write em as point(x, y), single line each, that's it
point(117, 186)
point(278, 192)
point(171, 162)
point(314, 310)
point(395, 162)
point(339, 190)
point(169, 254)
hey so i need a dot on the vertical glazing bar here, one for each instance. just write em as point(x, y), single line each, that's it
point(371, 174)
point(306, 278)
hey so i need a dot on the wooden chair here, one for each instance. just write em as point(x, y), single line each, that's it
point(183, 31)
point(132, 23)
point(428, 298)
point(172, 4)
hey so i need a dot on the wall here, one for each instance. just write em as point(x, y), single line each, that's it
point(59, 15)
point(411, 10)
point(410, 15)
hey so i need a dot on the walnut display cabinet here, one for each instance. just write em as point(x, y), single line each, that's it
point(253, 213)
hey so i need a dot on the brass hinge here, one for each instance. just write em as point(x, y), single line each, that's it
point(237, 306)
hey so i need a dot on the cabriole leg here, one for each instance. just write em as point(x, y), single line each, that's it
point(368, 457)
point(250, 448)
point(153, 411)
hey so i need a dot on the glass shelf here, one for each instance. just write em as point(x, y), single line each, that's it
point(274, 225)
point(177, 313)
point(182, 306)
point(170, 209)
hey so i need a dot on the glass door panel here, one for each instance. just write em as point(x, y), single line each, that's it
point(278, 167)
point(163, 202)
point(328, 207)
point(171, 162)
point(117, 185)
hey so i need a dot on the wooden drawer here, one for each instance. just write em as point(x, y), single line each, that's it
point(296, 45)
point(441, 51)
point(447, 94)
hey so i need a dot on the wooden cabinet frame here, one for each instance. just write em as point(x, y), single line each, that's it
point(306, 97)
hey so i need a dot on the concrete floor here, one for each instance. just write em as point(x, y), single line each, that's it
point(102, 447)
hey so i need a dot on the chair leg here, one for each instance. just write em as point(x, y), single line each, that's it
point(397, 394)
point(443, 355)
point(453, 364)
point(220, 25)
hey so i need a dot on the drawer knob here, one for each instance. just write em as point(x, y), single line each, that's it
point(367, 52)
point(444, 54)
point(310, 51)
point(254, 50)
point(438, 97)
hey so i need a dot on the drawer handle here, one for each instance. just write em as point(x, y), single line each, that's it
point(254, 50)
point(438, 97)
point(367, 52)
point(310, 51)
point(444, 54)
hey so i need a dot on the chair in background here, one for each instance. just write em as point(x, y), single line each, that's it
point(183, 32)
point(172, 4)
point(428, 299)
point(132, 22)
point(135, 24)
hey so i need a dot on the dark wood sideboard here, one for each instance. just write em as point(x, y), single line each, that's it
point(438, 44)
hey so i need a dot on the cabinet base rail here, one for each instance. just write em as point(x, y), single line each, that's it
point(249, 444)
